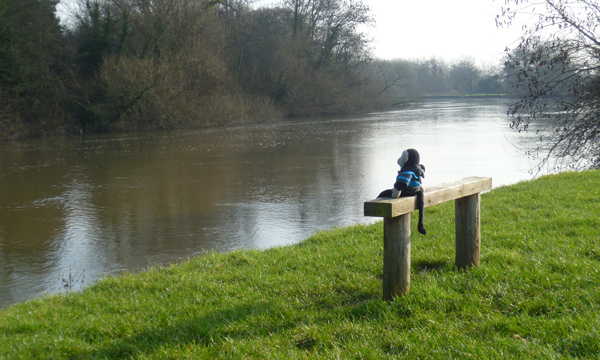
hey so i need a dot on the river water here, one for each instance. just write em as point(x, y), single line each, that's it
point(74, 209)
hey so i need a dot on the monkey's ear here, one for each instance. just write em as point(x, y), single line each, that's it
point(403, 159)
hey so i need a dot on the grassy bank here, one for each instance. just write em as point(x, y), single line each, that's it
point(536, 294)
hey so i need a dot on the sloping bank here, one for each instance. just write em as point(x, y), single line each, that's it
point(536, 294)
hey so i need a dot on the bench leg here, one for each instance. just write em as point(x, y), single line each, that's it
point(396, 256)
point(468, 231)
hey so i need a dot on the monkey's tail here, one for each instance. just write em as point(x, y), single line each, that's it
point(421, 207)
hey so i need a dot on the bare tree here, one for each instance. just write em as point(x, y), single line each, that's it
point(463, 76)
point(433, 75)
point(554, 71)
point(334, 27)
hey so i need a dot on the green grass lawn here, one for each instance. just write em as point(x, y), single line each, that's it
point(536, 294)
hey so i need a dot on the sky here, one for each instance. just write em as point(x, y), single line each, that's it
point(448, 29)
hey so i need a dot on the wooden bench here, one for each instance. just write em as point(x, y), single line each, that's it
point(396, 215)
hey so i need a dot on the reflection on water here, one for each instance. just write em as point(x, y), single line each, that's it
point(95, 205)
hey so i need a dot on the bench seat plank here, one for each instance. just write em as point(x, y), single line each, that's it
point(389, 208)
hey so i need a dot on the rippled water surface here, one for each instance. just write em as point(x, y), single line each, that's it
point(76, 208)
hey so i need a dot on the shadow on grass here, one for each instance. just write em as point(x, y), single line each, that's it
point(213, 328)
point(424, 266)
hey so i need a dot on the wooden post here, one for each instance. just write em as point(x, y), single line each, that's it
point(468, 230)
point(396, 256)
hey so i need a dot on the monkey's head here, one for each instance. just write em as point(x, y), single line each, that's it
point(409, 158)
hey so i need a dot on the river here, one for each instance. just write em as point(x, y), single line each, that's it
point(76, 208)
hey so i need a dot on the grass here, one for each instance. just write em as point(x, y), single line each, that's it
point(536, 294)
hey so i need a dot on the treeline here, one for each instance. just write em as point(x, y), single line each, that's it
point(431, 77)
point(126, 65)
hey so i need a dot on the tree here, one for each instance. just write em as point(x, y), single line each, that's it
point(161, 64)
point(394, 83)
point(33, 68)
point(307, 55)
point(333, 27)
point(433, 75)
point(100, 32)
point(490, 84)
point(463, 76)
point(262, 64)
point(555, 72)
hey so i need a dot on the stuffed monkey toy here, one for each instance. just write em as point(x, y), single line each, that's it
point(408, 182)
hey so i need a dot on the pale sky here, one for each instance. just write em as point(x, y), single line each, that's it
point(447, 29)
point(450, 29)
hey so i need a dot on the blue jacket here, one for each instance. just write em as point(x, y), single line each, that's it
point(408, 181)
